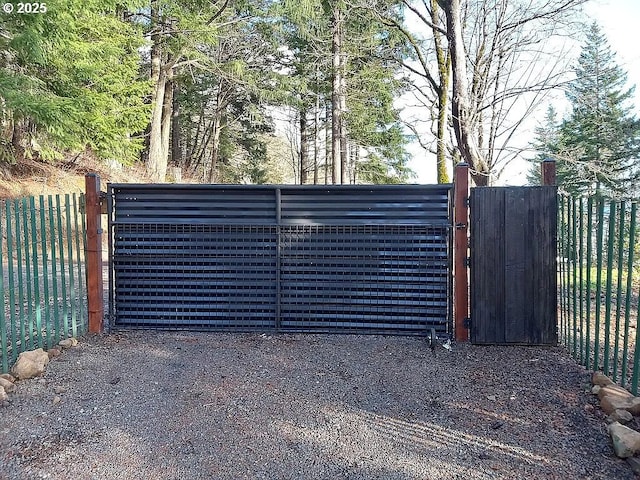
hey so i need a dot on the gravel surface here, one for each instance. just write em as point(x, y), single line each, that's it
point(180, 405)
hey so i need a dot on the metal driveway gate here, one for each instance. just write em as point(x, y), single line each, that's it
point(368, 259)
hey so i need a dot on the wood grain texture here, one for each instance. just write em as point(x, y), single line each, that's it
point(513, 265)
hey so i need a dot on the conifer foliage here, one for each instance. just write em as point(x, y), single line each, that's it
point(69, 81)
point(597, 146)
point(195, 83)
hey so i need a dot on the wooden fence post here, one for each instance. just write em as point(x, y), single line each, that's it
point(548, 172)
point(95, 298)
point(460, 251)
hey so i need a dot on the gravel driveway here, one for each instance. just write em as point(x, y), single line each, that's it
point(178, 405)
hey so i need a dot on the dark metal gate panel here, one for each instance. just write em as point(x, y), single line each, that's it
point(192, 205)
point(374, 277)
point(513, 265)
point(289, 258)
point(190, 257)
point(365, 258)
point(365, 205)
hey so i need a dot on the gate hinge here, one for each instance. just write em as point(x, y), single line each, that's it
point(466, 323)
point(467, 201)
point(467, 261)
point(461, 225)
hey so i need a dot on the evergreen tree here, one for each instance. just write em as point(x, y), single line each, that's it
point(545, 145)
point(598, 145)
point(373, 122)
point(68, 81)
point(221, 111)
point(365, 126)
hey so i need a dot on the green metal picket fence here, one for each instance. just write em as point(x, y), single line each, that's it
point(598, 269)
point(42, 273)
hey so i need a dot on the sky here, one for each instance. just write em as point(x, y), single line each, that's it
point(620, 21)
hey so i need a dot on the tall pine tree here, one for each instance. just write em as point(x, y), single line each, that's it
point(598, 145)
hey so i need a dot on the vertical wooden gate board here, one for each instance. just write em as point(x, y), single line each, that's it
point(513, 265)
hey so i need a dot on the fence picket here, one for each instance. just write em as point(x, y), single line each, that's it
point(581, 277)
point(563, 284)
point(11, 283)
point(54, 273)
point(636, 358)
point(629, 293)
point(39, 252)
point(559, 246)
point(4, 346)
point(598, 299)
point(45, 272)
point(597, 242)
point(574, 276)
point(619, 263)
point(20, 276)
point(80, 260)
point(72, 291)
point(63, 277)
point(588, 279)
point(609, 286)
point(36, 331)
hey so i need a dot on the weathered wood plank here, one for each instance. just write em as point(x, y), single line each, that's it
point(487, 265)
point(513, 268)
point(517, 245)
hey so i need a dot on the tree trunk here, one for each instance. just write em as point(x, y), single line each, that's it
point(193, 143)
point(444, 73)
point(328, 158)
point(344, 145)
point(304, 147)
point(215, 148)
point(159, 81)
point(353, 159)
point(167, 109)
point(177, 158)
point(316, 142)
point(463, 121)
point(201, 146)
point(156, 153)
point(441, 148)
point(17, 140)
point(336, 113)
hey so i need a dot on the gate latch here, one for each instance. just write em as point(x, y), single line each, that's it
point(461, 225)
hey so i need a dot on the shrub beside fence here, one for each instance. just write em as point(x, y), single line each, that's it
point(597, 249)
point(42, 273)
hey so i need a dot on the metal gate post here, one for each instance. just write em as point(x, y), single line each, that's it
point(95, 301)
point(460, 252)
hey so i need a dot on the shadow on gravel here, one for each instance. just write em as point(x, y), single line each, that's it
point(171, 405)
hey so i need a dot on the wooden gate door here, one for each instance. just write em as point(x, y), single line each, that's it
point(513, 265)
